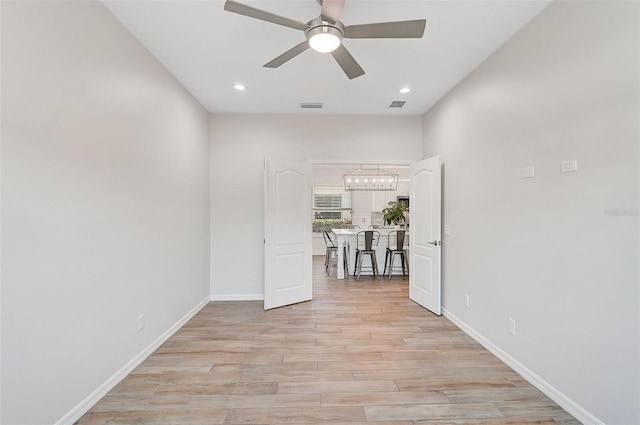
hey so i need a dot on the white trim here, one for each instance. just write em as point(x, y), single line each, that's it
point(549, 390)
point(405, 162)
point(237, 297)
point(83, 407)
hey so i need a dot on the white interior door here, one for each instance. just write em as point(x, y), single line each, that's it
point(425, 242)
point(288, 243)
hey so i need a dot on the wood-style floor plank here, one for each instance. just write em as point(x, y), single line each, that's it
point(431, 411)
point(359, 353)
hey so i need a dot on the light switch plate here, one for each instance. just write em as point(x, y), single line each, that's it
point(447, 230)
point(568, 166)
point(527, 172)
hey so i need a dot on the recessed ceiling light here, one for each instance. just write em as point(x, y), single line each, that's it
point(404, 90)
point(240, 87)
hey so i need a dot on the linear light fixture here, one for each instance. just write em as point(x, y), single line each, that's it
point(370, 179)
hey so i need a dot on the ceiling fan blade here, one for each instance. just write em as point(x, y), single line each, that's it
point(252, 12)
point(331, 10)
point(399, 29)
point(347, 62)
point(288, 55)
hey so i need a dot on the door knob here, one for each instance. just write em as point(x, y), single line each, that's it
point(435, 243)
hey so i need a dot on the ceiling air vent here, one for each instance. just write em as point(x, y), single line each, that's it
point(311, 105)
point(397, 103)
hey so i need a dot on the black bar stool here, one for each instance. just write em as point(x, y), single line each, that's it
point(366, 244)
point(394, 249)
point(332, 247)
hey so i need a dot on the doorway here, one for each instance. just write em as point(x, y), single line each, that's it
point(288, 184)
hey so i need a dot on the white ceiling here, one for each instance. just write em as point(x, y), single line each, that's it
point(209, 50)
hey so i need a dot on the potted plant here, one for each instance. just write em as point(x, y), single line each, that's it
point(394, 213)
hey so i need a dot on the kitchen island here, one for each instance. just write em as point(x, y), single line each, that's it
point(346, 238)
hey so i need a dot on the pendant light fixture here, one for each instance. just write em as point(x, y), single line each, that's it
point(370, 179)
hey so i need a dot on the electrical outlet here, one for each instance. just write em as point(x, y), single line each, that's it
point(511, 326)
point(140, 322)
point(466, 300)
point(253, 276)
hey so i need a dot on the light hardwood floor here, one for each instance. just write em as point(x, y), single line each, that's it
point(360, 352)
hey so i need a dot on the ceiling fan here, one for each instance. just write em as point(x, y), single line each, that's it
point(325, 33)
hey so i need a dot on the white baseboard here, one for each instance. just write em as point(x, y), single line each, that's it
point(549, 390)
point(86, 404)
point(238, 297)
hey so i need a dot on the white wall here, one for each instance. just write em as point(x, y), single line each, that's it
point(239, 144)
point(105, 210)
point(558, 253)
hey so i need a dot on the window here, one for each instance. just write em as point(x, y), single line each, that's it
point(331, 208)
point(321, 200)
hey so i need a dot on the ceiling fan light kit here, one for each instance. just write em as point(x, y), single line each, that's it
point(323, 36)
point(325, 33)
